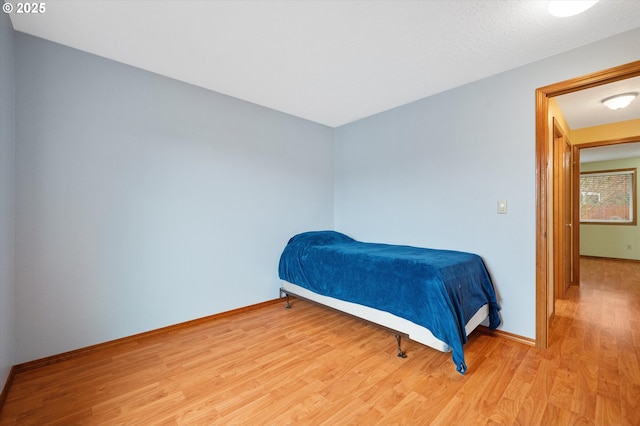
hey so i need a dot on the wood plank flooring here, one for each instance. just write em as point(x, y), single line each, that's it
point(311, 365)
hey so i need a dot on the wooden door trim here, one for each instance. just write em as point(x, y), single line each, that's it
point(606, 142)
point(575, 211)
point(559, 209)
point(543, 94)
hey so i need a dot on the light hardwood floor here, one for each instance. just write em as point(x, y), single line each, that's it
point(310, 365)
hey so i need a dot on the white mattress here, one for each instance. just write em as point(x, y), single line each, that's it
point(415, 332)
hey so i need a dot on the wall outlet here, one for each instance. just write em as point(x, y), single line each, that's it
point(628, 246)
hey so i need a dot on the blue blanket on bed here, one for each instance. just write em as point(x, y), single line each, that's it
point(438, 289)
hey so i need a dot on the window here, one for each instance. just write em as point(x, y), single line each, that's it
point(608, 197)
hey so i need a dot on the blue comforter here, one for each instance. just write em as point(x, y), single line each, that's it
point(438, 289)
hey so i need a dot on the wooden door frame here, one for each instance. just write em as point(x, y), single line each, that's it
point(560, 195)
point(544, 160)
point(575, 211)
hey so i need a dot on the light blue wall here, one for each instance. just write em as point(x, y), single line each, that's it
point(430, 173)
point(7, 198)
point(144, 202)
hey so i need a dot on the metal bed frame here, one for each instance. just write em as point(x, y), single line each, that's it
point(398, 335)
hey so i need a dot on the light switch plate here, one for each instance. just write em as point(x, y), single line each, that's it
point(502, 207)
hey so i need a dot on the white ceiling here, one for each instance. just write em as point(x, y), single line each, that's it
point(331, 62)
point(585, 109)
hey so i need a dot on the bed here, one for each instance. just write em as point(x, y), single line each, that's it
point(435, 297)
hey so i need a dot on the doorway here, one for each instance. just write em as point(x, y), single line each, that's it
point(546, 215)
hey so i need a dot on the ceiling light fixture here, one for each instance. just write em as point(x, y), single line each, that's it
point(562, 9)
point(619, 101)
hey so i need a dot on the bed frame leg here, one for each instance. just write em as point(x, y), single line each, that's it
point(288, 305)
point(401, 354)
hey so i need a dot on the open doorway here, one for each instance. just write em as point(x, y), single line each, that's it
point(608, 197)
point(546, 216)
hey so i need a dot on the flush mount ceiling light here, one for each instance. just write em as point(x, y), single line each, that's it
point(619, 101)
point(563, 9)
